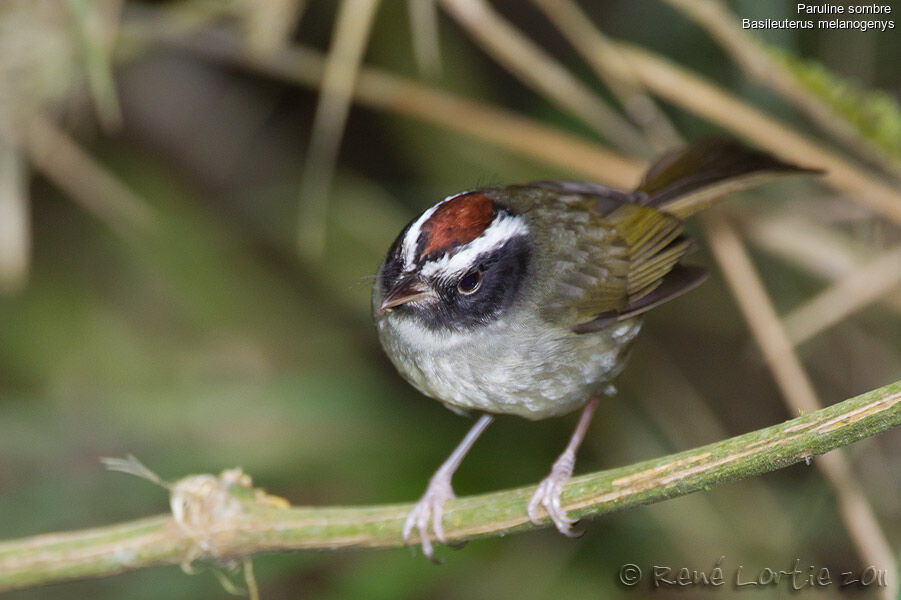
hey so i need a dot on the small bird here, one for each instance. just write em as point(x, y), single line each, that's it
point(525, 299)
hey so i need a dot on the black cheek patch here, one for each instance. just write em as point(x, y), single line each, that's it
point(393, 265)
point(504, 273)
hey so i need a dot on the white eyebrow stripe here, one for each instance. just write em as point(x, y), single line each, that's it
point(408, 248)
point(504, 228)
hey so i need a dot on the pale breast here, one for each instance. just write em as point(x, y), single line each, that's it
point(507, 369)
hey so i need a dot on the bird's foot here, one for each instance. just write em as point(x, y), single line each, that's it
point(431, 505)
point(548, 496)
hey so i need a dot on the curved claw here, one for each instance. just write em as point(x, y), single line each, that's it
point(439, 491)
point(431, 505)
point(548, 496)
point(548, 492)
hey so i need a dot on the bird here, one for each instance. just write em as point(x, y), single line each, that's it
point(525, 299)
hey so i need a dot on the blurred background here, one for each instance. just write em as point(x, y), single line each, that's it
point(194, 197)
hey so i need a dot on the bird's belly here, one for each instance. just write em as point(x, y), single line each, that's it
point(512, 373)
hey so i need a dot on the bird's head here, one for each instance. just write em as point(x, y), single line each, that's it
point(460, 264)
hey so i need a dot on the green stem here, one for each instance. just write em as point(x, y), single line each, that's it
point(251, 523)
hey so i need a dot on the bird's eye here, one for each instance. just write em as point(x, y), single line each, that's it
point(470, 283)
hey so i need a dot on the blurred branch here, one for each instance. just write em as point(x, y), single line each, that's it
point(15, 226)
point(342, 66)
point(602, 55)
point(426, 36)
point(796, 387)
point(268, 25)
point(865, 285)
point(759, 63)
point(522, 57)
point(64, 163)
point(820, 250)
point(696, 94)
point(224, 519)
point(384, 91)
point(816, 249)
point(96, 22)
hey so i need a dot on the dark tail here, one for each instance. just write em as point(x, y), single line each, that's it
point(688, 180)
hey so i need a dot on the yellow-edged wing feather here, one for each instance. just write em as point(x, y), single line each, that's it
point(619, 253)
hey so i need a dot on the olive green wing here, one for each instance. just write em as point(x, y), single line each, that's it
point(616, 265)
point(624, 258)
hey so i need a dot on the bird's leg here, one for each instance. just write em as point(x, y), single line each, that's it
point(548, 492)
point(440, 491)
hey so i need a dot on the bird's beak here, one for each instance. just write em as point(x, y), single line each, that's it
point(409, 288)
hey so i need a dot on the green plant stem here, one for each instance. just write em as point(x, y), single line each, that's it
point(258, 526)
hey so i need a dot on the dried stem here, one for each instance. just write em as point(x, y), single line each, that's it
point(96, 24)
point(425, 34)
point(821, 251)
point(15, 226)
point(814, 248)
point(603, 56)
point(384, 91)
point(796, 387)
point(760, 65)
point(696, 94)
point(352, 27)
point(269, 25)
point(64, 163)
point(526, 60)
point(862, 287)
point(243, 522)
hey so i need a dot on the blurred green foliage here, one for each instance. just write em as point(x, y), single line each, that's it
point(874, 113)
